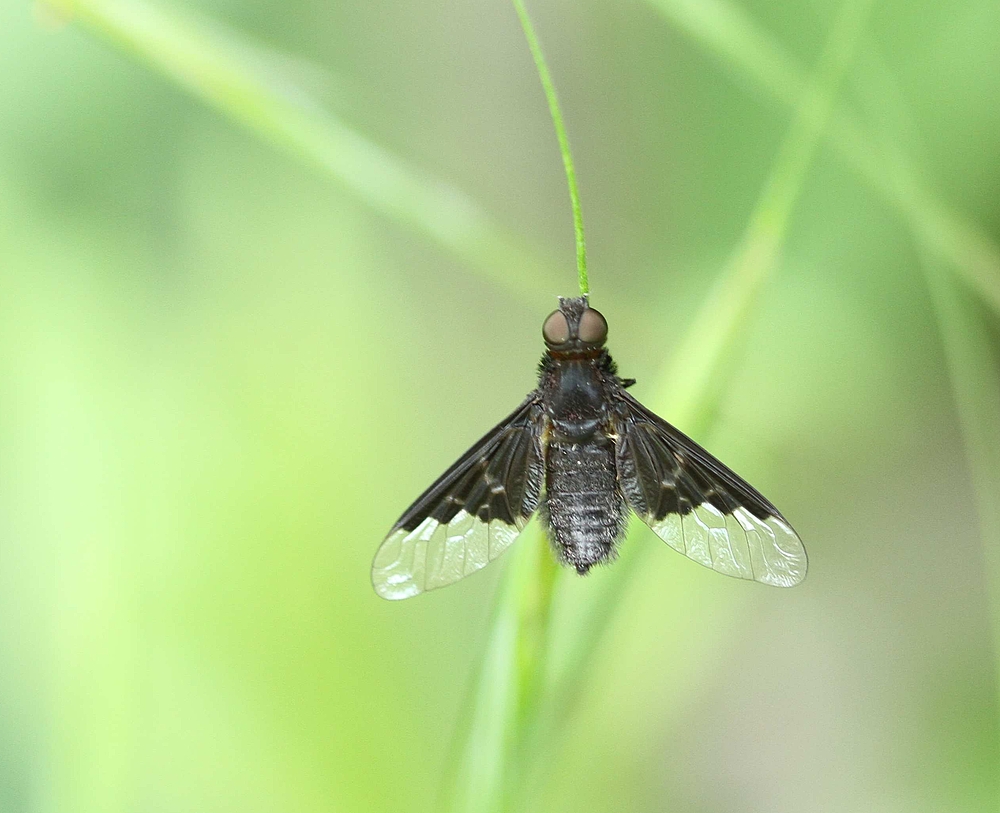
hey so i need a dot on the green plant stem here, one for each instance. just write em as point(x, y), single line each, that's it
point(689, 391)
point(509, 686)
point(506, 701)
point(232, 76)
point(560, 128)
point(705, 359)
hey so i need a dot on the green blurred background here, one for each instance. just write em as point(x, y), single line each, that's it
point(224, 373)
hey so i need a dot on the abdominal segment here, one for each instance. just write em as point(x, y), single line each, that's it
point(585, 509)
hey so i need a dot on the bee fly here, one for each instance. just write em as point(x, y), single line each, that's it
point(584, 452)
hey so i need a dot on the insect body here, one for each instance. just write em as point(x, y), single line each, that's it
point(586, 453)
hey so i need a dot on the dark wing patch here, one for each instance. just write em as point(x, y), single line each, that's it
point(700, 507)
point(470, 515)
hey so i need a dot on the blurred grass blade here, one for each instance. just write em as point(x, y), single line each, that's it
point(222, 69)
point(505, 690)
point(702, 362)
point(689, 392)
point(729, 33)
point(974, 369)
point(973, 364)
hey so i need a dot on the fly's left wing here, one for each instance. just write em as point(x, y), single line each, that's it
point(700, 507)
point(471, 514)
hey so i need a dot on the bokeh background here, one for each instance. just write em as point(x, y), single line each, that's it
point(227, 366)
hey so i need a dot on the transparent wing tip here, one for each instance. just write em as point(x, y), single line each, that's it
point(396, 565)
point(394, 587)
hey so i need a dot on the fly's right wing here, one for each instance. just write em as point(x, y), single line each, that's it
point(699, 506)
point(471, 514)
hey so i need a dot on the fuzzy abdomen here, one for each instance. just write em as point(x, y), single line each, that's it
point(585, 508)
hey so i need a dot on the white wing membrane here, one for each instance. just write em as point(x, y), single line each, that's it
point(701, 508)
point(737, 544)
point(434, 555)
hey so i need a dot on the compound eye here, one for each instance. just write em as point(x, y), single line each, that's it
point(555, 330)
point(593, 327)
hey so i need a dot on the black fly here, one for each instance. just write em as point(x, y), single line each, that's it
point(585, 452)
